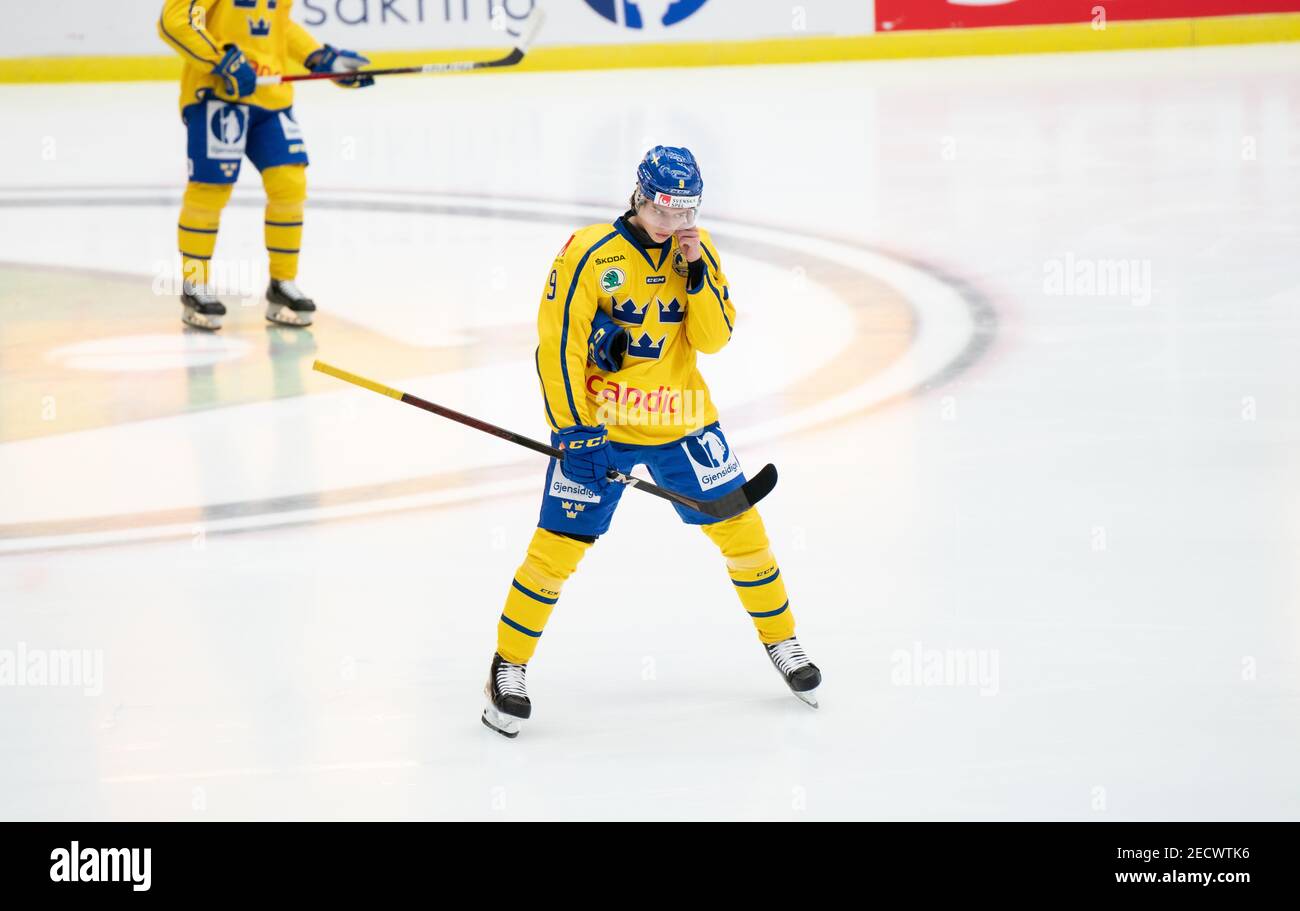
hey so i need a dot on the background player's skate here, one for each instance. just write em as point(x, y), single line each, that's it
point(287, 305)
point(201, 308)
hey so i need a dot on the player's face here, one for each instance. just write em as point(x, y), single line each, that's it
point(662, 222)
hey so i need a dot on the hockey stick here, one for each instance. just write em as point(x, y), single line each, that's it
point(724, 507)
point(531, 26)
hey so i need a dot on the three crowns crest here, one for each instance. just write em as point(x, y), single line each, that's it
point(627, 312)
point(671, 313)
point(645, 346)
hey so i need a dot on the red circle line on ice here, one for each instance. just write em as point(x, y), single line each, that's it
point(913, 329)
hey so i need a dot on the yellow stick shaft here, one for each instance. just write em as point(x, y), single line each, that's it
point(322, 367)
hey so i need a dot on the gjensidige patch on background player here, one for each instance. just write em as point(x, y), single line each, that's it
point(227, 130)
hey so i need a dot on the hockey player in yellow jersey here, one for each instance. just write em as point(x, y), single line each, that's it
point(226, 45)
point(627, 307)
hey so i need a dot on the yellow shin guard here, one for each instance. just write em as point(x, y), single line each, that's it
point(754, 573)
point(196, 231)
point(551, 559)
point(286, 191)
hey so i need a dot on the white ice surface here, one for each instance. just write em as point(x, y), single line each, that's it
point(1105, 503)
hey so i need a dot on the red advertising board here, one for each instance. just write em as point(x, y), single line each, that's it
point(892, 15)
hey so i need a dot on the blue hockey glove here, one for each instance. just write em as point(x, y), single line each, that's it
point(586, 456)
point(607, 343)
point(238, 74)
point(330, 59)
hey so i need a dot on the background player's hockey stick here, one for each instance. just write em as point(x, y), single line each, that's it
point(531, 26)
point(724, 507)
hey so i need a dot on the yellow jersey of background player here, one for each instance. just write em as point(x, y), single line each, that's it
point(226, 45)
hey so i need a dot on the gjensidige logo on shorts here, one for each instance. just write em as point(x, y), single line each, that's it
point(227, 130)
point(561, 486)
point(646, 13)
point(76, 864)
point(711, 459)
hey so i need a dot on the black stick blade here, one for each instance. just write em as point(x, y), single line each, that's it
point(736, 502)
point(509, 59)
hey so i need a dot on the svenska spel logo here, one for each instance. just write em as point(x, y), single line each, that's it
point(643, 13)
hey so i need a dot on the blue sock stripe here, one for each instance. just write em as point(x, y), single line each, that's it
point(193, 255)
point(283, 224)
point(759, 582)
point(197, 230)
point(279, 250)
point(769, 613)
point(533, 595)
point(523, 629)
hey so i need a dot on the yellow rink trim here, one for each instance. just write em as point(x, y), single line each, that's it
point(1022, 39)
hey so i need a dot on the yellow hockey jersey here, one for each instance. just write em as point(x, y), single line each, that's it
point(262, 29)
point(659, 395)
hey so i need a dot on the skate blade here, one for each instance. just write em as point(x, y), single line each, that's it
point(506, 725)
point(808, 698)
point(198, 320)
point(286, 316)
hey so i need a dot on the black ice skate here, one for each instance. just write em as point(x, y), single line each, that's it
point(507, 697)
point(801, 675)
point(201, 310)
point(288, 306)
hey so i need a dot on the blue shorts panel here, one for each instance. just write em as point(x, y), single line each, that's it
point(701, 465)
point(275, 139)
point(567, 506)
point(219, 134)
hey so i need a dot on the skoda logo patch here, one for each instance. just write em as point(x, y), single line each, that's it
point(612, 280)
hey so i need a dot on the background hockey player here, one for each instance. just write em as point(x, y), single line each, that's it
point(226, 45)
point(626, 308)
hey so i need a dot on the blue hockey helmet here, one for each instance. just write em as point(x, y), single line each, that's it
point(668, 179)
